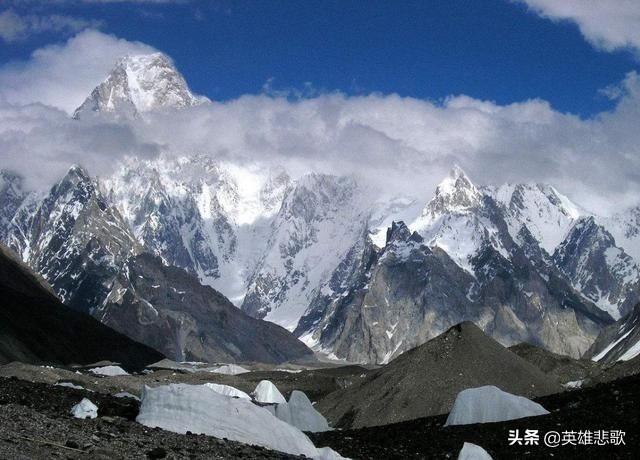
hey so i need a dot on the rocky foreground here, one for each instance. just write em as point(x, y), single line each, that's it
point(606, 406)
point(35, 423)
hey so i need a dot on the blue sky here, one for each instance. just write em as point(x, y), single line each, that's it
point(491, 49)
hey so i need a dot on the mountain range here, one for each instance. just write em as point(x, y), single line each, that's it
point(156, 248)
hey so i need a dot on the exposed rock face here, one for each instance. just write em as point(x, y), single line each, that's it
point(618, 342)
point(597, 268)
point(74, 238)
point(11, 197)
point(139, 84)
point(168, 309)
point(564, 368)
point(36, 328)
point(409, 293)
point(545, 213)
point(426, 380)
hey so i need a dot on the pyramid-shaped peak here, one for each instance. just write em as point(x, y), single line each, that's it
point(137, 84)
point(77, 173)
point(456, 193)
point(456, 179)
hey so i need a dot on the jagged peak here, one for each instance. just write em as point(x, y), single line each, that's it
point(137, 84)
point(77, 173)
point(400, 232)
point(518, 195)
point(456, 193)
point(588, 227)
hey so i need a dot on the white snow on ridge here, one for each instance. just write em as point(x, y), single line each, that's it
point(546, 213)
point(453, 220)
point(632, 352)
point(625, 228)
point(609, 347)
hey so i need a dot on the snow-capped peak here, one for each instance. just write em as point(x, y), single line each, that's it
point(138, 84)
point(547, 214)
point(456, 193)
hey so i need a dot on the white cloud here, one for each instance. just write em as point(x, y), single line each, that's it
point(400, 144)
point(63, 75)
point(607, 24)
point(15, 27)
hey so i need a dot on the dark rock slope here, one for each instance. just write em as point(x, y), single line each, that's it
point(564, 368)
point(425, 381)
point(36, 327)
point(384, 302)
point(168, 309)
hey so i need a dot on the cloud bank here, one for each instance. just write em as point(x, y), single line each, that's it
point(401, 145)
point(607, 24)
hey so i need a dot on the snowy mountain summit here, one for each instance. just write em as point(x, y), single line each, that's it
point(139, 84)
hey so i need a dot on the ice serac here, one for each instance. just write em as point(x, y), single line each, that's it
point(199, 409)
point(85, 409)
point(299, 412)
point(320, 219)
point(490, 404)
point(598, 268)
point(471, 451)
point(618, 342)
point(426, 380)
point(267, 393)
point(139, 84)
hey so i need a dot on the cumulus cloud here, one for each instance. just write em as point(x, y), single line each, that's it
point(15, 27)
point(62, 75)
point(607, 24)
point(402, 145)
